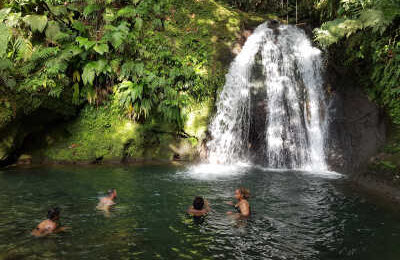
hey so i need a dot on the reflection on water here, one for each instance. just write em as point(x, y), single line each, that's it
point(295, 215)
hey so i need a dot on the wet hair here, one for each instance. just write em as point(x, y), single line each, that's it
point(245, 193)
point(110, 191)
point(53, 213)
point(198, 203)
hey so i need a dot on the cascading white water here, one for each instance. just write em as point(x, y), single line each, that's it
point(292, 85)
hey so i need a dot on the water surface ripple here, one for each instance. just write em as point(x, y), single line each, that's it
point(296, 215)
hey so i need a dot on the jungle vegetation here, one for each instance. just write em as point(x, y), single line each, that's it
point(152, 60)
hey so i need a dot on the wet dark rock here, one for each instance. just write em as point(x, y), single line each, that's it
point(26, 133)
point(257, 133)
point(357, 127)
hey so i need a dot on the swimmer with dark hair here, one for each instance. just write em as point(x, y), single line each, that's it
point(242, 206)
point(50, 225)
point(107, 201)
point(199, 208)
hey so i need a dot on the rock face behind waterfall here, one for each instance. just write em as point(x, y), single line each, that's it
point(271, 110)
point(356, 128)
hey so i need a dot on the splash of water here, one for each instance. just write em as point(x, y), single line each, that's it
point(290, 89)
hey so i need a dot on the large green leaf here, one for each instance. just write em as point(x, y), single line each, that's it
point(101, 48)
point(117, 38)
point(138, 23)
point(89, 73)
point(101, 67)
point(13, 20)
point(53, 32)
point(5, 35)
point(77, 25)
point(93, 68)
point(90, 9)
point(36, 22)
point(58, 9)
point(3, 13)
point(85, 42)
point(127, 12)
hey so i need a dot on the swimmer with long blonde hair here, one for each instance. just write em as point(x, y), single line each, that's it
point(242, 195)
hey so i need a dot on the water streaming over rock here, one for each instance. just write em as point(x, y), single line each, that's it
point(271, 109)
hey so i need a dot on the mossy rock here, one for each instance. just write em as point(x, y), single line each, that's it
point(96, 133)
point(102, 134)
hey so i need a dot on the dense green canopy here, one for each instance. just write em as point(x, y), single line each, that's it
point(154, 60)
point(101, 51)
point(124, 51)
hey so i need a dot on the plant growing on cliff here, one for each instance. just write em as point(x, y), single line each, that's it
point(370, 34)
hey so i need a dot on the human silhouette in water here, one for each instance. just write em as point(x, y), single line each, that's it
point(199, 208)
point(107, 201)
point(242, 206)
point(50, 225)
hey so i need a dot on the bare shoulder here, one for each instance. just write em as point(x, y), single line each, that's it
point(46, 224)
point(197, 213)
point(45, 227)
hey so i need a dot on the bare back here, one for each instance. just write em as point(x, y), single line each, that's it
point(244, 208)
point(44, 228)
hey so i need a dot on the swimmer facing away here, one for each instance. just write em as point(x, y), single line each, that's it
point(107, 201)
point(243, 207)
point(50, 225)
point(199, 208)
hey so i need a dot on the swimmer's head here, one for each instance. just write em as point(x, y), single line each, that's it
point(242, 193)
point(112, 193)
point(53, 214)
point(198, 203)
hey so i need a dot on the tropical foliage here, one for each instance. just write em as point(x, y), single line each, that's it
point(99, 51)
point(153, 60)
point(368, 31)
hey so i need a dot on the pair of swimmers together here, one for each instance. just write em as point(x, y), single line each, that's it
point(201, 207)
point(51, 224)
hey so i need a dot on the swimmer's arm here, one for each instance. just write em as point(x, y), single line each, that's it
point(61, 229)
point(190, 210)
point(234, 214)
point(207, 206)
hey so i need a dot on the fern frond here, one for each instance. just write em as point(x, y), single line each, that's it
point(24, 49)
point(36, 22)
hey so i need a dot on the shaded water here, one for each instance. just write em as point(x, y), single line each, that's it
point(295, 215)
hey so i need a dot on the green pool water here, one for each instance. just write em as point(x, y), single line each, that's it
point(296, 215)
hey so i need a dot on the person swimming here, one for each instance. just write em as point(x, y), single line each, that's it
point(107, 201)
point(50, 225)
point(199, 208)
point(243, 206)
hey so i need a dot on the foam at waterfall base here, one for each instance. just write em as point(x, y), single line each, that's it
point(212, 171)
point(317, 172)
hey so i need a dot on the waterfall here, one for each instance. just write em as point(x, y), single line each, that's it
point(271, 109)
